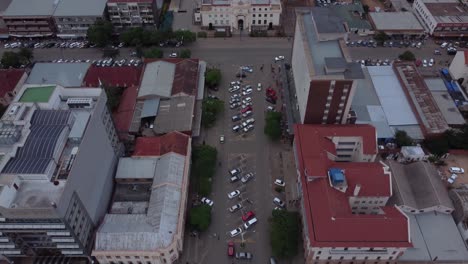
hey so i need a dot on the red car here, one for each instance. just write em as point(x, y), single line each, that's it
point(248, 108)
point(231, 249)
point(270, 92)
point(248, 216)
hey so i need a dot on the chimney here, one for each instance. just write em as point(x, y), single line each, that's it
point(357, 188)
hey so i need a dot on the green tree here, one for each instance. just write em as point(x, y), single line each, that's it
point(210, 110)
point(200, 217)
point(26, 54)
point(100, 33)
point(185, 53)
point(186, 36)
point(11, 59)
point(212, 77)
point(402, 139)
point(153, 53)
point(113, 96)
point(437, 146)
point(156, 37)
point(284, 233)
point(381, 37)
point(203, 168)
point(136, 36)
point(273, 125)
point(407, 56)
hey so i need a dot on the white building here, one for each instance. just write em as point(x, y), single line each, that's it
point(238, 14)
point(459, 67)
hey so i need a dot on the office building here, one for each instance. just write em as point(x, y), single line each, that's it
point(132, 13)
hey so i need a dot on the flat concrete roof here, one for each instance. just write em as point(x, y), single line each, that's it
point(23, 8)
point(157, 80)
point(447, 11)
point(76, 8)
point(435, 236)
point(175, 114)
point(395, 21)
point(40, 94)
point(64, 74)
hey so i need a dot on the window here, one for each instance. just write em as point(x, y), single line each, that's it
point(117, 257)
point(354, 207)
point(378, 257)
point(253, 22)
point(264, 22)
point(329, 257)
point(253, 15)
point(271, 15)
point(317, 257)
point(320, 252)
point(254, 9)
point(390, 258)
point(259, 22)
point(341, 257)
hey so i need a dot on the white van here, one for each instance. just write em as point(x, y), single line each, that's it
point(250, 223)
point(456, 170)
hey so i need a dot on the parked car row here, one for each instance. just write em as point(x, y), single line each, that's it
point(51, 44)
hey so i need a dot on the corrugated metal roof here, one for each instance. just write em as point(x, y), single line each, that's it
point(31, 8)
point(157, 79)
point(395, 21)
point(79, 126)
point(136, 168)
point(64, 74)
point(150, 108)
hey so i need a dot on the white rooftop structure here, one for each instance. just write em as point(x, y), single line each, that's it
point(157, 80)
point(395, 21)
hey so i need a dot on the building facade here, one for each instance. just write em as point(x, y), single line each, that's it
point(132, 13)
point(60, 151)
point(73, 18)
point(443, 18)
point(459, 67)
point(237, 15)
point(12, 81)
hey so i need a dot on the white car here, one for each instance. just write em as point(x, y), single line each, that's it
point(247, 177)
point(235, 207)
point(247, 100)
point(221, 139)
point(248, 128)
point(235, 172)
point(247, 114)
point(235, 232)
point(280, 182)
point(259, 87)
point(278, 202)
point(233, 194)
point(207, 201)
point(279, 58)
point(173, 55)
point(456, 170)
point(235, 83)
point(247, 92)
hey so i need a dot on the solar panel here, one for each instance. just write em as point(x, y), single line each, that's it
point(38, 150)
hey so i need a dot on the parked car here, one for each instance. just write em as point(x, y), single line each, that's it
point(247, 216)
point(248, 108)
point(250, 223)
point(456, 170)
point(248, 128)
point(271, 100)
point(280, 182)
point(452, 178)
point(259, 86)
point(233, 194)
point(234, 179)
point(247, 177)
point(235, 171)
point(247, 114)
point(235, 207)
point(235, 118)
point(236, 128)
point(244, 255)
point(247, 92)
point(279, 58)
point(235, 105)
point(235, 232)
point(231, 249)
point(278, 202)
point(221, 139)
point(270, 108)
point(207, 201)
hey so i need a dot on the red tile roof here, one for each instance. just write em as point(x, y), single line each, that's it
point(123, 115)
point(157, 146)
point(124, 76)
point(329, 217)
point(185, 77)
point(9, 79)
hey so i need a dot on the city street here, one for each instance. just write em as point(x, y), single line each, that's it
point(251, 152)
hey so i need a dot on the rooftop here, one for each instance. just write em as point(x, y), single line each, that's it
point(152, 224)
point(175, 114)
point(39, 94)
point(444, 101)
point(331, 19)
point(447, 11)
point(431, 119)
point(24, 8)
point(10, 79)
point(435, 236)
point(157, 146)
point(329, 217)
point(240, 2)
point(80, 8)
point(418, 185)
point(186, 77)
point(124, 76)
point(3, 5)
point(395, 21)
point(123, 115)
point(157, 80)
point(64, 74)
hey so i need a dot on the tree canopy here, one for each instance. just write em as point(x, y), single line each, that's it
point(402, 139)
point(273, 125)
point(26, 53)
point(210, 110)
point(200, 217)
point(153, 53)
point(11, 59)
point(212, 77)
point(284, 233)
point(185, 53)
point(100, 33)
point(407, 56)
point(203, 168)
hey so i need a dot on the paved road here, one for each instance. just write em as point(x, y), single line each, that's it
point(251, 153)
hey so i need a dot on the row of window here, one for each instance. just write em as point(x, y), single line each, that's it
point(260, 22)
point(354, 258)
point(228, 9)
point(370, 202)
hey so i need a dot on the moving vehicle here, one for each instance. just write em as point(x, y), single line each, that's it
point(221, 139)
point(173, 55)
point(259, 87)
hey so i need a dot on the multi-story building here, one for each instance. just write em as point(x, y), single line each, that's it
point(324, 80)
point(459, 67)
point(146, 221)
point(3, 28)
point(132, 13)
point(344, 195)
point(73, 18)
point(30, 18)
point(241, 15)
point(443, 18)
point(59, 153)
